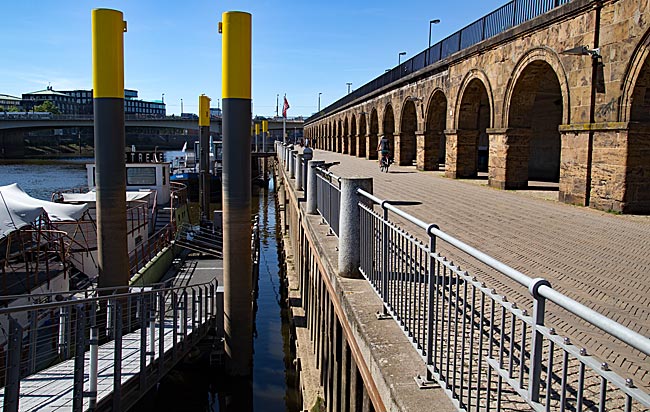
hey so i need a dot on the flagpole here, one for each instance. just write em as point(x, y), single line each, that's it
point(284, 123)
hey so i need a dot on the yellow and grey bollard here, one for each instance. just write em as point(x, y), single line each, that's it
point(236, 184)
point(257, 132)
point(108, 29)
point(265, 129)
point(204, 156)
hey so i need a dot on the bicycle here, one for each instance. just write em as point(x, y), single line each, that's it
point(384, 163)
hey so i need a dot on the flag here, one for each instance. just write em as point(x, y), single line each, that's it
point(285, 107)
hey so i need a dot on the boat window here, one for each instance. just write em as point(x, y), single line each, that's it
point(140, 176)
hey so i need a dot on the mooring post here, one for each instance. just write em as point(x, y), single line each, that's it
point(349, 225)
point(108, 29)
point(237, 265)
point(299, 170)
point(312, 175)
point(204, 156)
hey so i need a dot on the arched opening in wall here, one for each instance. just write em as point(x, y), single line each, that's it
point(473, 122)
point(637, 192)
point(535, 114)
point(434, 132)
point(406, 150)
point(373, 135)
point(389, 128)
point(339, 137)
point(353, 136)
point(330, 138)
point(361, 137)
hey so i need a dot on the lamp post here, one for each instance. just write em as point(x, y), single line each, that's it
point(399, 57)
point(181, 107)
point(431, 22)
point(349, 84)
point(163, 98)
point(319, 101)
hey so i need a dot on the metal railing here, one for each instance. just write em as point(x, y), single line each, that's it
point(510, 15)
point(485, 351)
point(328, 198)
point(141, 323)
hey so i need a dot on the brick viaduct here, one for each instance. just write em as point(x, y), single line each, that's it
point(517, 108)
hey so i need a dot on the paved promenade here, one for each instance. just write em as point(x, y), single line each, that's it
point(599, 259)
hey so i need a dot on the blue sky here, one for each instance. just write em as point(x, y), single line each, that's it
point(300, 48)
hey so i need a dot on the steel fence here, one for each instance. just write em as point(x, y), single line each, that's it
point(510, 15)
point(328, 198)
point(485, 351)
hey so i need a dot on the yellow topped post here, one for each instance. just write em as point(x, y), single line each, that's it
point(204, 110)
point(265, 126)
point(108, 29)
point(236, 55)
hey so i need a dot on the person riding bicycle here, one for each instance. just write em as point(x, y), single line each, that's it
point(384, 148)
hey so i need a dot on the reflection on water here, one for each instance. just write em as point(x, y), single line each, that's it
point(40, 179)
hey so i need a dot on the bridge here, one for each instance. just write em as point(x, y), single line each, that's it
point(491, 300)
point(535, 91)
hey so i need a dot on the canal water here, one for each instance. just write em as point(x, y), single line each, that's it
point(191, 386)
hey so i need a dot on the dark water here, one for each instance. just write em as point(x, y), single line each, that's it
point(196, 387)
point(41, 179)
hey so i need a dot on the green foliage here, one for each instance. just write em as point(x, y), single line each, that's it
point(47, 106)
point(319, 405)
point(13, 109)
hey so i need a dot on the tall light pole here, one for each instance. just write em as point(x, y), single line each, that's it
point(431, 22)
point(181, 107)
point(399, 57)
point(319, 101)
point(349, 84)
point(277, 104)
point(163, 98)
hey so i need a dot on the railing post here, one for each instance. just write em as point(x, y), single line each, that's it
point(94, 358)
point(152, 326)
point(292, 163)
point(193, 309)
point(79, 354)
point(539, 305)
point(117, 360)
point(62, 334)
point(161, 333)
point(33, 334)
point(431, 291)
point(184, 317)
point(312, 183)
point(144, 320)
point(384, 256)
point(175, 322)
point(349, 225)
point(12, 374)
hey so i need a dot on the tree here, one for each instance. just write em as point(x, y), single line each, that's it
point(12, 109)
point(47, 106)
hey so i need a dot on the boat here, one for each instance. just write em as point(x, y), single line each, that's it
point(185, 170)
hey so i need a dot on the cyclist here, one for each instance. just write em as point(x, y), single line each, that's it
point(384, 148)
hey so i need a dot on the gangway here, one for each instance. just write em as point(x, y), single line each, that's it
point(61, 353)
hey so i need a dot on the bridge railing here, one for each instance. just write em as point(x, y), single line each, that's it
point(71, 326)
point(484, 350)
point(328, 198)
point(510, 15)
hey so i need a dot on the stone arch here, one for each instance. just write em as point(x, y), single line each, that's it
point(529, 149)
point(405, 142)
point(433, 149)
point(549, 57)
point(388, 126)
point(373, 135)
point(468, 146)
point(633, 79)
point(353, 136)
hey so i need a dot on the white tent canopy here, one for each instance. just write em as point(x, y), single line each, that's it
point(91, 196)
point(18, 210)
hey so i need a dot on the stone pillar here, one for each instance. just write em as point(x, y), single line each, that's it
point(292, 164)
point(427, 150)
point(299, 172)
point(405, 148)
point(508, 158)
point(574, 164)
point(311, 186)
point(631, 160)
point(461, 153)
point(361, 146)
point(349, 225)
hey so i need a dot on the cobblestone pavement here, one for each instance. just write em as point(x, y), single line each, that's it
point(601, 260)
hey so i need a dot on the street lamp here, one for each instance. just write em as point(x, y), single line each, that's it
point(181, 107)
point(349, 84)
point(163, 97)
point(399, 57)
point(319, 101)
point(431, 22)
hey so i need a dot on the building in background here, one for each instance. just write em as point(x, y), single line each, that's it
point(8, 102)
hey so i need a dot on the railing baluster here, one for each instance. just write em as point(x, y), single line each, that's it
point(80, 346)
point(12, 373)
point(117, 358)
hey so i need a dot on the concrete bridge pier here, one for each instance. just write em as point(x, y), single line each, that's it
point(427, 150)
point(12, 144)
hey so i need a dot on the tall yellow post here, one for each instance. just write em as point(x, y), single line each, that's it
point(236, 186)
point(108, 27)
point(204, 157)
